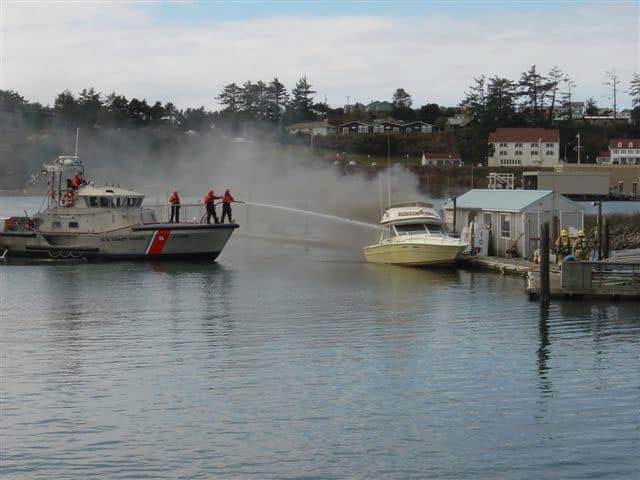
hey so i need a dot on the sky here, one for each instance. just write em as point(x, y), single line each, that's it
point(185, 52)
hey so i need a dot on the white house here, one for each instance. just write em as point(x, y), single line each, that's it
point(316, 128)
point(441, 159)
point(507, 218)
point(524, 147)
point(624, 151)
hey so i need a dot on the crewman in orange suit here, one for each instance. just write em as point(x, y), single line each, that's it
point(174, 202)
point(209, 204)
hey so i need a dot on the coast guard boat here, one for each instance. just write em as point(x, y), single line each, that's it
point(104, 223)
point(415, 236)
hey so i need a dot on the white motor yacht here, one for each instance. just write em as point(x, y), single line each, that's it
point(89, 221)
point(414, 236)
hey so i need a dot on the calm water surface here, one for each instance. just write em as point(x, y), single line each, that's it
point(284, 361)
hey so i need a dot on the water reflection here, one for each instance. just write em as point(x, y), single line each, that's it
point(545, 385)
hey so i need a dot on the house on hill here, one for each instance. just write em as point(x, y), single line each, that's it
point(624, 151)
point(355, 127)
point(524, 147)
point(380, 107)
point(417, 127)
point(322, 128)
point(441, 159)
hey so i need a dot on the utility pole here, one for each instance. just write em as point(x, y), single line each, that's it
point(613, 81)
point(578, 148)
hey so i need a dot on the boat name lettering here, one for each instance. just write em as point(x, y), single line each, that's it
point(409, 214)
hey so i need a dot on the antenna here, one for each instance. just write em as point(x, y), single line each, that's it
point(77, 135)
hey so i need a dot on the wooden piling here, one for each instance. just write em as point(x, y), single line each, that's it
point(545, 293)
point(599, 230)
point(454, 215)
point(605, 238)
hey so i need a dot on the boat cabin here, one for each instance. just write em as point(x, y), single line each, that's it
point(412, 218)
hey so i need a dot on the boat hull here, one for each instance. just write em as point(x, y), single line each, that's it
point(413, 254)
point(141, 242)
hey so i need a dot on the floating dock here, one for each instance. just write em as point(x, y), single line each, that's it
point(604, 279)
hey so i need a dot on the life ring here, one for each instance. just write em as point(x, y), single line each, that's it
point(67, 200)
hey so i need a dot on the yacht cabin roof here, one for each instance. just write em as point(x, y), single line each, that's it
point(411, 212)
point(106, 191)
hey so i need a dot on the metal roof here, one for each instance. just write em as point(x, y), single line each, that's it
point(502, 200)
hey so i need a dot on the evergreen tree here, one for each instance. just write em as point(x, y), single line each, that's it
point(634, 90)
point(89, 106)
point(475, 101)
point(278, 97)
point(230, 98)
point(501, 95)
point(591, 107)
point(401, 99)
point(11, 101)
point(429, 113)
point(532, 88)
point(555, 76)
point(301, 104)
point(567, 96)
point(66, 107)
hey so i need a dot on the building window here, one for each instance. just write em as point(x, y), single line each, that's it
point(505, 225)
point(486, 218)
point(549, 152)
point(503, 152)
point(549, 145)
point(518, 152)
point(534, 152)
point(534, 145)
point(619, 144)
point(345, 129)
point(503, 145)
point(518, 145)
point(73, 224)
point(630, 145)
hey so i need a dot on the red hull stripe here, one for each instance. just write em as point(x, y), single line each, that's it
point(158, 241)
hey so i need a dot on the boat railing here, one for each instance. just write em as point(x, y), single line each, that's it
point(189, 212)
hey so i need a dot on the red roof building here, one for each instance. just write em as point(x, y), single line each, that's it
point(521, 147)
point(624, 143)
point(525, 135)
point(624, 151)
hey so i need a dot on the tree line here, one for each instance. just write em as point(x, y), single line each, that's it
point(491, 102)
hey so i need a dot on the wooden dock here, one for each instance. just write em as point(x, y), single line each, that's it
point(508, 266)
point(606, 279)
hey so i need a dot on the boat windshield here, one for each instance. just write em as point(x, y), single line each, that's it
point(419, 228)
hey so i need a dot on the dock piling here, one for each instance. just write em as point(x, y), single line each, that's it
point(545, 292)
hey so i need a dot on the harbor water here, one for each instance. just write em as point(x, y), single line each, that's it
point(286, 360)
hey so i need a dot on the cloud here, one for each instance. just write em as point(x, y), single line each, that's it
point(125, 47)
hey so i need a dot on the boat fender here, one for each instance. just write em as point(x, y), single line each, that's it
point(8, 224)
point(67, 200)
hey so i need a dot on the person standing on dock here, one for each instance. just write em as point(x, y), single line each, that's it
point(563, 245)
point(174, 202)
point(580, 246)
point(209, 203)
point(227, 198)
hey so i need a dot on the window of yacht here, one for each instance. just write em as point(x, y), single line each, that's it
point(73, 224)
point(131, 202)
point(138, 202)
point(435, 228)
point(93, 201)
point(410, 228)
point(104, 202)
